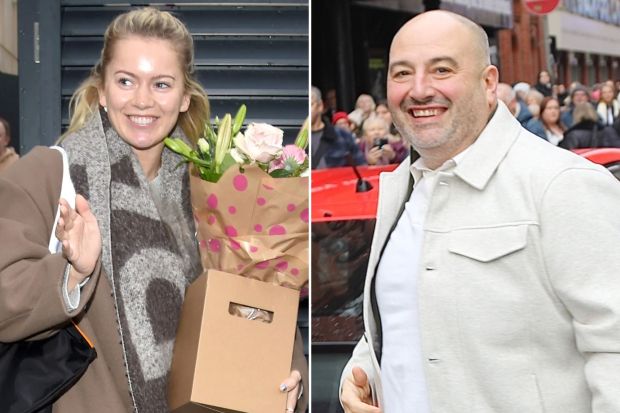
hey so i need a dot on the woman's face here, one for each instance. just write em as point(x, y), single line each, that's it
point(551, 114)
point(544, 77)
point(384, 112)
point(144, 91)
point(607, 94)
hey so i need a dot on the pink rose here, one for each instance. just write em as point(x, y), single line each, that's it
point(292, 155)
point(261, 142)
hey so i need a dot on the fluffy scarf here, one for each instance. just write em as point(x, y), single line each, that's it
point(149, 253)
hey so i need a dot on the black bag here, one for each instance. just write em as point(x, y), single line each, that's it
point(34, 374)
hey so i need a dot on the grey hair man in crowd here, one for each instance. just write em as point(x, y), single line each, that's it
point(493, 283)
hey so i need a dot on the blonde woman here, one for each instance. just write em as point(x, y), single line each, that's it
point(128, 246)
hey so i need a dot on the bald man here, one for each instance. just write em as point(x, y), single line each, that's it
point(493, 283)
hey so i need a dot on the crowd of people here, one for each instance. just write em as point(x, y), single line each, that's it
point(577, 117)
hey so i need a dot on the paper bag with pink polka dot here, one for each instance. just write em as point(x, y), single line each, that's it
point(251, 224)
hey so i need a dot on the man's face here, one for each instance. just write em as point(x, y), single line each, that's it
point(580, 96)
point(439, 89)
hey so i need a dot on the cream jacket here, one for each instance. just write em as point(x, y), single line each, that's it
point(519, 285)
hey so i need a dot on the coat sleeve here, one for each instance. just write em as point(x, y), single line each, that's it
point(580, 230)
point(31, 301)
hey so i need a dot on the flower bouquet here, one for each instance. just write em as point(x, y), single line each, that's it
point(250, 204)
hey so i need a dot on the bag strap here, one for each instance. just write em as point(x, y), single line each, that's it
point(67, 192)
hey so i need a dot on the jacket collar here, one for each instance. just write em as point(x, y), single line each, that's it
point(486, 153)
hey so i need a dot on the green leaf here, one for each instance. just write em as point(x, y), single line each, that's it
point(224, 138)
point(178, 146)
point(302, 138)
point(280, 173)
point(227, 162)
point(239, 118)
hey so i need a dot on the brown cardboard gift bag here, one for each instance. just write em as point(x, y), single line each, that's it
point(253, 236)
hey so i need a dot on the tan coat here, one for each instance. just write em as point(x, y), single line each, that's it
point(31, 303)
point(7, 158)
point(519, 280)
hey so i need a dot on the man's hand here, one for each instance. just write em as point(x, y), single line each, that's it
point(79, 234)
point(292, 385)
point(356, 396)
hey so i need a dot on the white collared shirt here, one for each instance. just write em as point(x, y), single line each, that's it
point(402, 371)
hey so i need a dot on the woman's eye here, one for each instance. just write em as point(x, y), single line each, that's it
point(124, 81)
point(162, 85)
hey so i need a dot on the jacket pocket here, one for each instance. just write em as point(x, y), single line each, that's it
point(488, 244)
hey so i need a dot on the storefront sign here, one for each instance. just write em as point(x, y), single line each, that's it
point(540, 7)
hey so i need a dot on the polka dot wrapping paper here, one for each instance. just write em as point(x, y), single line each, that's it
point(251, 224)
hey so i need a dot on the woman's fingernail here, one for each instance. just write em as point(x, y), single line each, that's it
point(283, 387)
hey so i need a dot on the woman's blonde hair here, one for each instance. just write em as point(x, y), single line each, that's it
point(146, 22)
point(584, 111)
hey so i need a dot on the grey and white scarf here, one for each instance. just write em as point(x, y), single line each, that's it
point(149, 252)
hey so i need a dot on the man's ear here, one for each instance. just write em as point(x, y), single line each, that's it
point(490, 77)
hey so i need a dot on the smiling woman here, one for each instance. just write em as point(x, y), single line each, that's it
point(128, 245)
point(143, 95)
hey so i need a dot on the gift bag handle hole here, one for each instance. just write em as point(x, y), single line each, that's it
point(250, 313)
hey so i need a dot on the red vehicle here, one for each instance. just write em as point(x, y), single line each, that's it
point(343, 222)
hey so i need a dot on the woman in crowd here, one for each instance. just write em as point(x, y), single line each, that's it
point(129, 251)
point(608, 107)
point(586, 131)
point(394, 137)
point(376, 145)
point(544, 84)
point(548, 126)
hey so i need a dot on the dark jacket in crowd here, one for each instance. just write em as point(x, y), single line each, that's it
point(544, 89)
point(337, 148)
point(589, 134)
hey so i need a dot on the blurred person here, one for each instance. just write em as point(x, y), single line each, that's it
point(7, 154)
point(544, 85)
point(331, 103)
point(533, 99)
point(579, 94)
point(595, 94)
point(521, 89)
point(587, 132)
point(330, 146)
point(341, 120)
point(128, 246)
point(364, 107)
point(548, 125)
point(506, 94)
point(383, 111)
point(560, 92)
point(376, 145)
point(469, 303)
point(608, 107)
